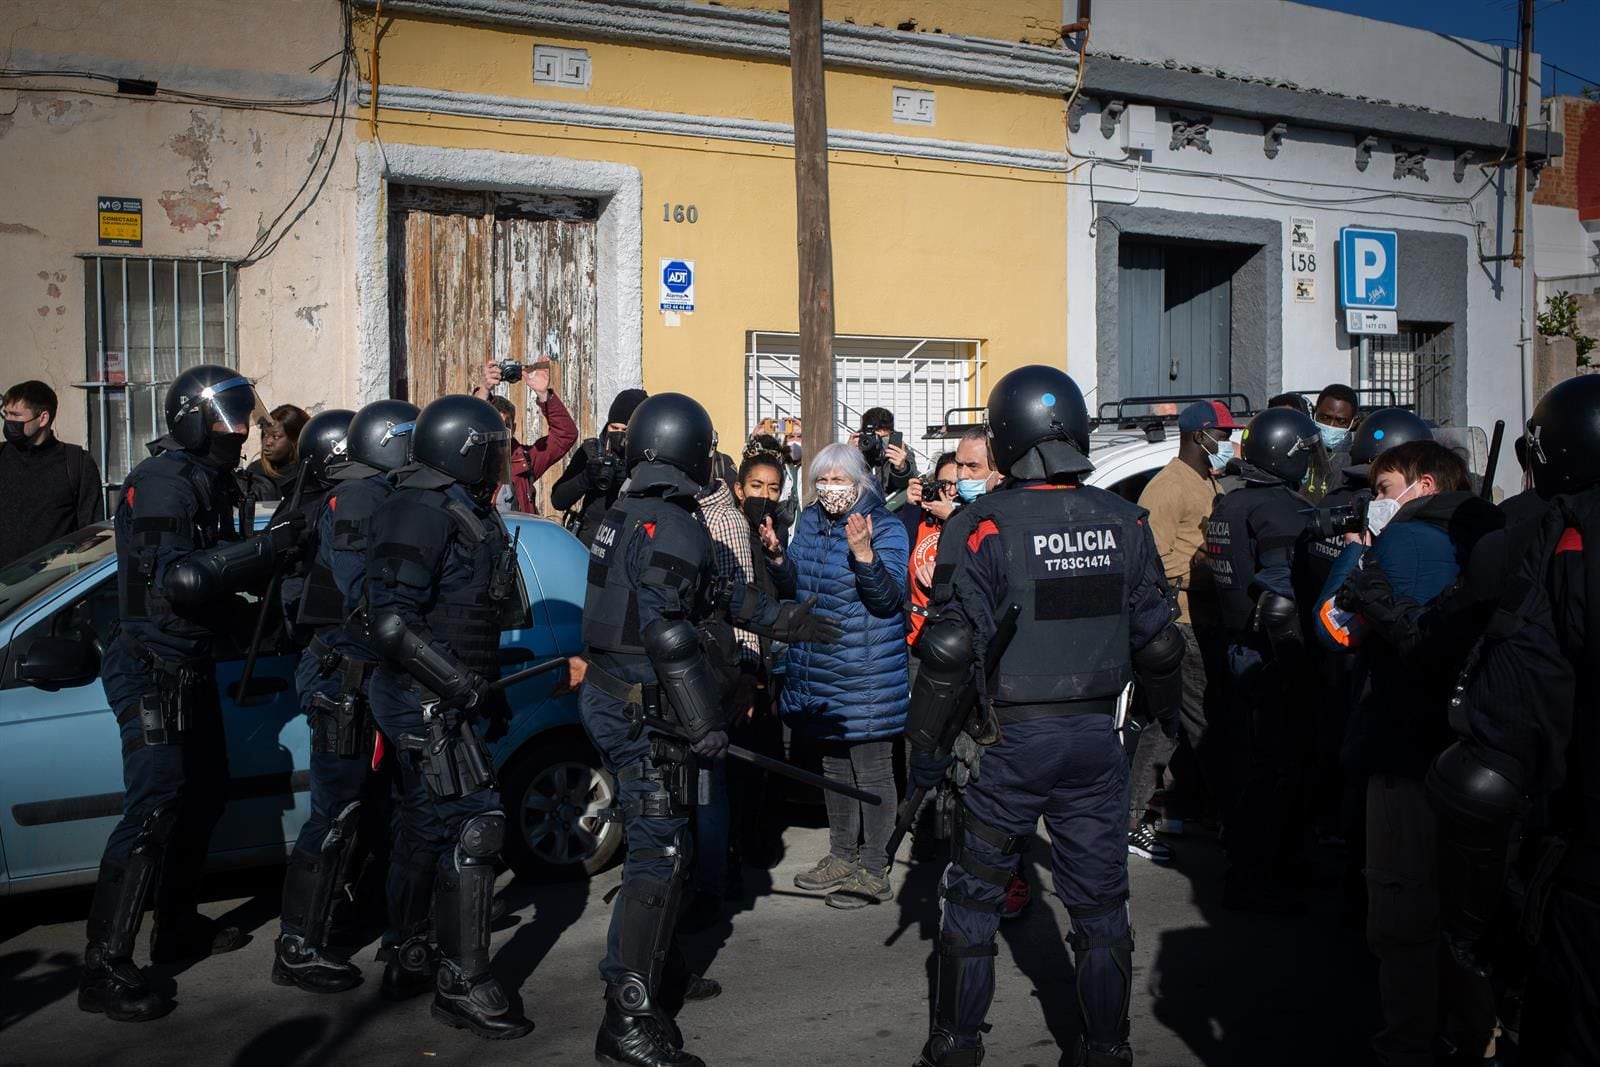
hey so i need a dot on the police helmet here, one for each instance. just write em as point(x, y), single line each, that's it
point(1280, 441)
point(380, 435)
point(1563, 444)
point(322, 441)
point(1038, 424)
point(673, 429)
point(463, 438)
point(1385, 428)
point(203, 396)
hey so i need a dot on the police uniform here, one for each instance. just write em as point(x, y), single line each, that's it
point(1251, 541)
point(160, 680)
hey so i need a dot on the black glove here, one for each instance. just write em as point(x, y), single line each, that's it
point(796, 624)
point(928, 768)
point(286, 534)
point(1367, 591)
point(472, 692)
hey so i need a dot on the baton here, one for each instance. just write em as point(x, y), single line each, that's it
point(528, 672)
point(1487, 491)
point(241, 691)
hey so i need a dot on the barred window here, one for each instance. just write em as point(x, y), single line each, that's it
point(148, 320)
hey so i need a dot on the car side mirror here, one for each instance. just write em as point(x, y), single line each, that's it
point(52, 663)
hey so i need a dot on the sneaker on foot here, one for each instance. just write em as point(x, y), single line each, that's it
point(829, 872)
point(1143, 842)
point(861, 889)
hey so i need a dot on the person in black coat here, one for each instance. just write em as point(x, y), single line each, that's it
point(50, 488)
point(594, 476)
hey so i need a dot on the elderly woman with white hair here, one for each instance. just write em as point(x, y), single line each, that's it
point(850, 553)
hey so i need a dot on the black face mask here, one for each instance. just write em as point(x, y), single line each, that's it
point(758, 508)
point(224, 450)
point(15, 434)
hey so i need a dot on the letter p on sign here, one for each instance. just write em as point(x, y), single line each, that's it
point(1367, 274)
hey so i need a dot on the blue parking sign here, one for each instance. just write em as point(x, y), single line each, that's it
point(1368, 277)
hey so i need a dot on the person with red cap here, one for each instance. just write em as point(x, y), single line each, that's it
point(1179, 500)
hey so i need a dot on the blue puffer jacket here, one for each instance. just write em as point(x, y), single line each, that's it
point(858, 688)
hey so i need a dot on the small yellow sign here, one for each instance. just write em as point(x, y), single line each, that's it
point(121, 221)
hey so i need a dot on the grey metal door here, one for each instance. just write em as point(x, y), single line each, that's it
point(1175, 308)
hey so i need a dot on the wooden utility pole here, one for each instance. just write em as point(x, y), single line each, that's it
point(811, 224)
point(1522, 133)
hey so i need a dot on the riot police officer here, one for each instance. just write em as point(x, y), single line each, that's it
point(442, 582)
point(1526, 763)
point(1077, 570)
point(345, 455)
point(1251, 541)
point(653, 697)
point(178, 557)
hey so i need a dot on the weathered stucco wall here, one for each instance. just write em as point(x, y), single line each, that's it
point(211, 177)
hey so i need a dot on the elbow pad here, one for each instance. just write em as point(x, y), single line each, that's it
point(1158, 667)
point(946, 685)
point(690, 684)
point(211, 573)
point(1278, 619)
point(437, 670)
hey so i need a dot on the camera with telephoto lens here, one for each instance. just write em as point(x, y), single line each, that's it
point(933, 487)
point(510, 371)
point(873, 449)
point(609, 463)
point(1333, 520)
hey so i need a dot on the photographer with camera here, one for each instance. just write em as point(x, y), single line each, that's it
point(890, 461)
point(930, 500)
point(1399, 724)
point(594, 476)
point(530, 461)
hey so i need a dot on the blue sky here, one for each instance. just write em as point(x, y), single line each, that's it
point(1565, 32)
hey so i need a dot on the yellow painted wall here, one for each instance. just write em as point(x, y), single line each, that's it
point(1034, 21)
point(921, 248)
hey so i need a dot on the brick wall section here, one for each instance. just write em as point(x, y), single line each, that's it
point(1573, 180)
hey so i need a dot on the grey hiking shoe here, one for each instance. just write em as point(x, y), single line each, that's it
point(830, 871)
point(862, 888)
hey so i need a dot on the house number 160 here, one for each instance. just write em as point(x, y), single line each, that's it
point(680, 213)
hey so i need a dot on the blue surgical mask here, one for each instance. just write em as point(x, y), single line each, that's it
point(970, 489)
point(1219, 459)
point(1332, 436)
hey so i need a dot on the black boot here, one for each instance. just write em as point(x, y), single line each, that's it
point(114, 987)
point(410, 970)
point(635, 1033)
point(478, 1004)
point(941, 1051)
point(192, 936)
point(111, 985)
point(296, 963)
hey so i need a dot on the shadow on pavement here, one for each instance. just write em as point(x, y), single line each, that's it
point(1244, 989)
point(26, 995)
point(556, 908)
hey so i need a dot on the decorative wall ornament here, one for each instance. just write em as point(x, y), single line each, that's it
point(911, 107)
point(1410, 162)
point(1109, 114)
point(1272, 134)
point(1364, 149)
point(1187, 131)
point(1080, 104)
point(1463, 159)
point(567, 68)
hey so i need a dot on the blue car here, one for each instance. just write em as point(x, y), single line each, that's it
point(60, 757)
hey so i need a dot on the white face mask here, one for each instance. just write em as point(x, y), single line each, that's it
point(1382, 511)
point(837, 499)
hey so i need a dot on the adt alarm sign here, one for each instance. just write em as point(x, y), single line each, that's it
point(677, 285)
point(1367, 275)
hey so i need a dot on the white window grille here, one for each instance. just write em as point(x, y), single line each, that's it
point(147, 321)
point(916, 378)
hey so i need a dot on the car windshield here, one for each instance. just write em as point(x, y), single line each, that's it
point(38, 572)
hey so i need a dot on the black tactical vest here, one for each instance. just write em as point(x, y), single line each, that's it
point(675, 561)
point(1233, 543)
point(351, 503)
point(1068, 556)
point(140, 540)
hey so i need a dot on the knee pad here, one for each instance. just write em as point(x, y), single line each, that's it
point(156, 830)
point(481, 836)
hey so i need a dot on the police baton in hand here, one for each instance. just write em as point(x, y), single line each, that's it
point(241, 691)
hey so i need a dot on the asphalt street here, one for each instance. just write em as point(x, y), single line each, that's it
point(803, 983)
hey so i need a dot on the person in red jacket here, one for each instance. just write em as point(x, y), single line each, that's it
point(530, 461)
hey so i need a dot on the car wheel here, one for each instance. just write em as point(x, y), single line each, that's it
point(555, 793)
